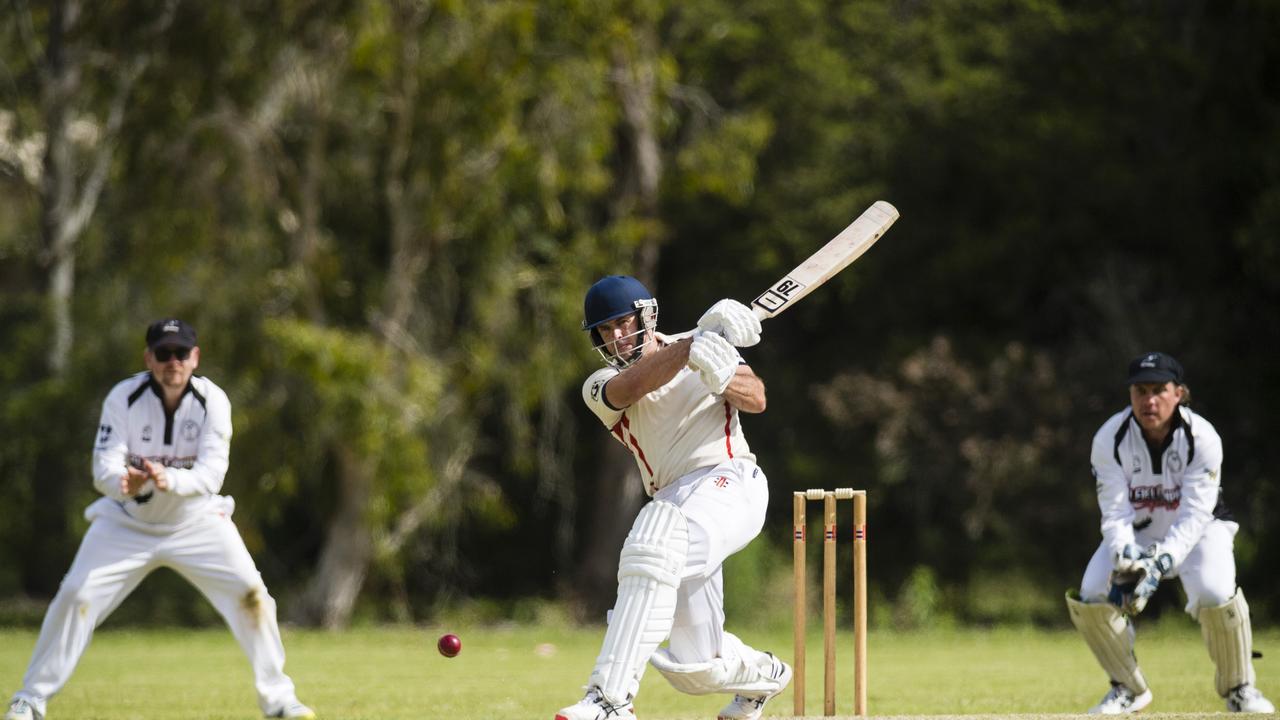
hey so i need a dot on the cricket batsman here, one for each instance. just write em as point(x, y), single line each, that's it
point(674, 404)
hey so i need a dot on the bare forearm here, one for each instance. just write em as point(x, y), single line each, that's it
point(746, 391)
point(651, 372)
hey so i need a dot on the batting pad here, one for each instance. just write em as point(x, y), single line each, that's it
point(1229, 635)
point(732, 674)
point(649, 570)
point(1110, 635)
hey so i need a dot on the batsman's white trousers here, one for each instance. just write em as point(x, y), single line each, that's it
point(1208, 573)
point(116, 554)
point(725, 507)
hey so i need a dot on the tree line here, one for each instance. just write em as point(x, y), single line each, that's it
point(381, 216)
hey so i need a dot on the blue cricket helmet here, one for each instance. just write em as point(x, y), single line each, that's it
point(612, 297)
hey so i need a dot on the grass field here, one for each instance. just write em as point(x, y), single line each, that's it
point(530, 671)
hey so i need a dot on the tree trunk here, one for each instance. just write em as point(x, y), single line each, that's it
point(57, 186)
point(619, 490)
point(330, 596)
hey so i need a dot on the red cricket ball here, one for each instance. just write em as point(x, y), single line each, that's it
point(449, 645)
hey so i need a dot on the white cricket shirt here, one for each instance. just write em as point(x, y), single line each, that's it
point(194, 444)
point(1167, 495)
point(673, 430)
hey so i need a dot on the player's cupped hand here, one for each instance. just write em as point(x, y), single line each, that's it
point(156, 472)
point(133, 480)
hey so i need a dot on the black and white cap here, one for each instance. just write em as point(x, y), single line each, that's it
point(1155, 367)
point(170, 332)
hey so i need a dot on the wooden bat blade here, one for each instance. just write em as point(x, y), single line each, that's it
point(833, 257)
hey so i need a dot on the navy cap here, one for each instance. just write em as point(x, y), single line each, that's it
point(1155, 367)
point(170, 332)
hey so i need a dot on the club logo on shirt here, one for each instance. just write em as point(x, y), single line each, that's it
point(1173, 461)
point(1137, 464)
point(190, 430)
point(104, 434)
point(595, 390)
point(146, 433)
point(1150, 497)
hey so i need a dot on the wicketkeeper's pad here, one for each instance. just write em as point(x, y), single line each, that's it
point(1110, 636)
point(1229, 635)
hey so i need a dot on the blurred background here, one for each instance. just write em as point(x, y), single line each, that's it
point(382, 216)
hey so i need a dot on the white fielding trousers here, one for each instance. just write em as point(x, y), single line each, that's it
point(725, 508)
point(1208, 573)
point(116, 555)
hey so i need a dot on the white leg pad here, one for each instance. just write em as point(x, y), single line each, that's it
point(734, 674)
point(1229, 635)
point(1110, 636)
point(649, 571)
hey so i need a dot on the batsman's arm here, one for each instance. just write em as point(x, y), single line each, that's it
point(650, 372)
point(746, 391)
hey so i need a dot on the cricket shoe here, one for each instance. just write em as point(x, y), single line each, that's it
point(595, 707)
point(1121, 701)
point(1249, 699)
point(20, 709)
point(294, 709)
point(751, 707)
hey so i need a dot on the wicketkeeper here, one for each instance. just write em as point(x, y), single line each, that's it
point(675, 405)
point(159, 457)
point(1158, 467)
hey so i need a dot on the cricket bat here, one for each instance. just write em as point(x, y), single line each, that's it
point(833, 257)
point(823, 265)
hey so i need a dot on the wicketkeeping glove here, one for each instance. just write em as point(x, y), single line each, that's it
point(1131, 591)
point(734, 321)
point(715, 360)
point(1126, 561)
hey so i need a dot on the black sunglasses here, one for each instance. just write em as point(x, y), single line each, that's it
point(163, 354)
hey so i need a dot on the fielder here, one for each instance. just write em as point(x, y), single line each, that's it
point(161, 452)
point(674, 405)
point(1158, 467)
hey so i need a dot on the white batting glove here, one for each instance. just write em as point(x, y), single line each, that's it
point(734, 321)
point(715, 360)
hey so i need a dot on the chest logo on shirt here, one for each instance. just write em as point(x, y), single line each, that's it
point(104, 434)
point(1151, 497)
point(146, 433)
point(1137, 464)
point(1173, 461)
point(190, 430)
point(721, 481)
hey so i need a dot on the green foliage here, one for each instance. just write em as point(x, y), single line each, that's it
point(920, 604)
point(382, 216)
